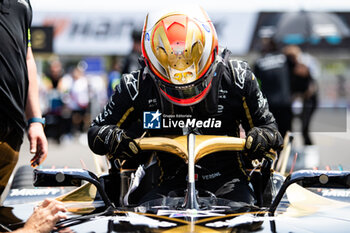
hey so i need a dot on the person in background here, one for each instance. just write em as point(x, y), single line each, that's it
point(131, 61)
point(55, 113)
point(304, 87)
point(75, 85)
point(273, 73)
point(113, 78)
point(19, 93)
point(54, 74)
point(305, 99)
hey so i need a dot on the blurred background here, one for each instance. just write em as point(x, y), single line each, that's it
point(82, 47)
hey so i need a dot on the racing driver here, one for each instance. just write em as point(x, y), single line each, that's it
point(185, 74)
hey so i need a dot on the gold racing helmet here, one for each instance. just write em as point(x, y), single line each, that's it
point(179, 47)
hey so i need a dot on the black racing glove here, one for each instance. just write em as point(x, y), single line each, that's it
point(260, 141)
point(119, 145)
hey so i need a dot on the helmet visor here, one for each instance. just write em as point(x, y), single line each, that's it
point(186, 94)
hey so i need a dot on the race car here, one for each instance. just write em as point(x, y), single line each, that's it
point(293, 202)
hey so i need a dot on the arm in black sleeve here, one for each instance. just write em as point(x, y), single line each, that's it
point(97, 138)
point(112, 140)
point(105, 133)
point(259, 122)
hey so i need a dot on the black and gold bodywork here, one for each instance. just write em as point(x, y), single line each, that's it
point(297, 203)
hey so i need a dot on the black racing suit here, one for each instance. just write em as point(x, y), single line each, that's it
point(234, 99)
point(273, 72)
point(15, 21)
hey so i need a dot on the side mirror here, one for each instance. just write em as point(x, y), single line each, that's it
point(68, 177)
point(60, 177)
point(312, 179)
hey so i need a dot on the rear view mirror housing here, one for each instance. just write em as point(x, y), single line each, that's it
point(313, 179)
point(68, 177)
point(60, 177)
point(321, 179)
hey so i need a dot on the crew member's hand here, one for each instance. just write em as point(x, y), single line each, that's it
point(44, 217)
point(121, 146)
point(258, 143)
point(38, 143)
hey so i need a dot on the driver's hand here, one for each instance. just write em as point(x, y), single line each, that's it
point(121, 146)
point(258, 143)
